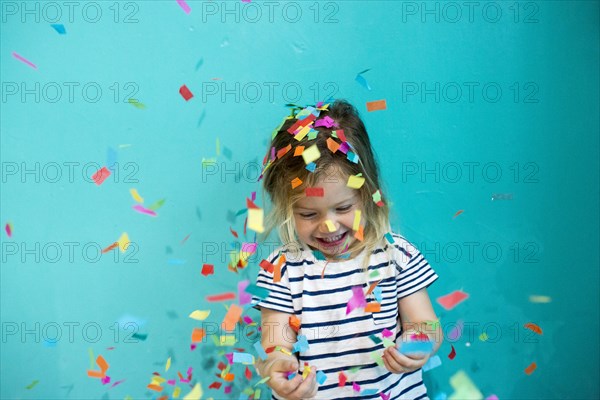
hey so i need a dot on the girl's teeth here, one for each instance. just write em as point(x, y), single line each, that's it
point(333, 239)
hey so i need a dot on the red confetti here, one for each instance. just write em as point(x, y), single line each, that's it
point(458, 213)
point(451, 300)
point(341, 379)
point(101, 175)
point(185, 93)
point(8, 229)
point(208, 269)
point(314, 192)
point(452, 353)
point(215, 385)
point(529, 370)
point(221, 297)
point(267, 266)
point(109, 248)
point(248, 373)
point(340, 134)
point(250, 204)
point(185, 239)
point(234, 233)
point(534, 327)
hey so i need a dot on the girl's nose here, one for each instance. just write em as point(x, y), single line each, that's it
point(328, 226)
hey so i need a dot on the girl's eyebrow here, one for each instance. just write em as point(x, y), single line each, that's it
point(335, 205)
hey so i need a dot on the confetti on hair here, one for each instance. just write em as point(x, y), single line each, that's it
point(208, 269)
point(458, 213)
point(143, 210)
point(332, 145)
point(298, 151)
point(283, 151)
point(327, 122)
point(185, 93)
point(8, 228)
point(24, 60)
point(529, 370)
point(534, 327)
point(296, 182)
point(314, 192)
point(355, 181)
point(311, 154)
point(101, 175)
point(376, 105)
point(452, 353)
point(311, 167)
point(184, 6)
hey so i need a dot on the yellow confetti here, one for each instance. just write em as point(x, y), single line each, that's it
point(464, 387)
point(227, 340)
point(539, 299)
point(300, 135)
point(199, 315)
point(168, 364)
point(356, 223)
point(195, 394)
point(355, 181)
point(255, 219)
point(208, 161)
point(123, 242)
point(157, 380)
point(306, 371)
point(128, 397)
point(483, 337)
point(176, 392)
point(330, 226)
point(311, 154)
point(136, 196)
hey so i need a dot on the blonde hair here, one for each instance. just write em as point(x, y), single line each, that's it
point(279, 172)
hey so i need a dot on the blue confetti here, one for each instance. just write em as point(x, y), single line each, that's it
point(60, 28)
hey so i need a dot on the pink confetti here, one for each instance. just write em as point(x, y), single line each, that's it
point(228, 389)
point(451, 300)
point(492, 397)
point(192, 347)
point(171, 382)
point(118, 382)
point(355, 387)
point(106, 380)
point(8, 229)
point(249, 247)
point(184, 6)
point(244, 297)
point(229, 357)
point(456, 332)
point(385, 396)
point(357, 301)
point(248, 320)
point(327, 122)
point(386, 333)
point(23, 59)
point(101, 175)
point(142, 210)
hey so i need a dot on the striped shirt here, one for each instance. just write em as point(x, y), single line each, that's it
point(340, 342)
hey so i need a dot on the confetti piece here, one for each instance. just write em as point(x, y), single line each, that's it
point(197, 335)
point(311, 154)
point(355, 387)
point(483, 337)
point(184, 6)
point(314, 192)
point(356, 223)
point(221, 297)
point(464, 387)
point(8, 228)
point(140, 336)
point(321, 377)
point(227, 340)
point(196, 392)
point(168, 364)
point(231, 318)
point(137, 104)
point(298, 151)
point(185, 93)
point(529, 370)
point(255, 220)
point(355, 181)
point(123, 242)
point(452, 353)
point(535, 328)
point(492, 397)
point(294, 323)
point(296, 182)
point(330, 226)
point(136, 196)
point(243, 358)
point(311, 167)
point(416, 347)
point(60, 28)
point(376, 105)
point(234, 233)
point(458, 213)
point(260, 350)
point(385, 396)
point(373, 307)
point(199, 315)
point(101, 175)
point(143, 210)
point(451, 300)
point(539, 299)
point(243, 296)
point(360, 233)
point(157, 205)
point(456, 332)
point(208, 269)
point(357, 300)
point(389, 238)
point(283, 151)
point(361, 79)
point(432, 363)
point(327, 122)
point(342, 379)
point(32, 385)
point(24, 60)
point(332, 145)
point(257, 291)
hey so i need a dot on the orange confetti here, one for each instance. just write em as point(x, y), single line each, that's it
point(458, 213)
point(294, 323)
point(298, 151)
point(277, 273)
point(96, 374)
point(332, 145)
point(229, 377)
point(154, 387)
point(360, 233)
point(231, 318)
point(102, 363)
point(376, 105)
point(534, 327)
point(197, 335)
point(373, 307)
point(296, 182)
point(163, 398)
point(372, 287)
point(529, 370)
point(112, 246)
point(281, 152)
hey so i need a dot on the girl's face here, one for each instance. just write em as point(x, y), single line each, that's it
point(325, 223)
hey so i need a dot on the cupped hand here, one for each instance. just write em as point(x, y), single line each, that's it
point(399, 363)
point(295, 388)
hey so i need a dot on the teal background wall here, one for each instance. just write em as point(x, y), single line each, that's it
point(518, 154)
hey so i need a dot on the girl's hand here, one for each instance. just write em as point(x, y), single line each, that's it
point(296, 388)
point(399, 363)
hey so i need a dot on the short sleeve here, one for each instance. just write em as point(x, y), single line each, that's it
point(280, 296)
point(413, 271)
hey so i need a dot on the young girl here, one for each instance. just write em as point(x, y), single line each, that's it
point(345, 293)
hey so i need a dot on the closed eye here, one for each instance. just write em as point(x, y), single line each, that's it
point(345, 208)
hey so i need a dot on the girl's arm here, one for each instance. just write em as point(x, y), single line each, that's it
point(277, 332)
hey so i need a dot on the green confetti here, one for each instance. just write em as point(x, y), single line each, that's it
point(157, 205)
point(136, 104)
point(32, 385)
